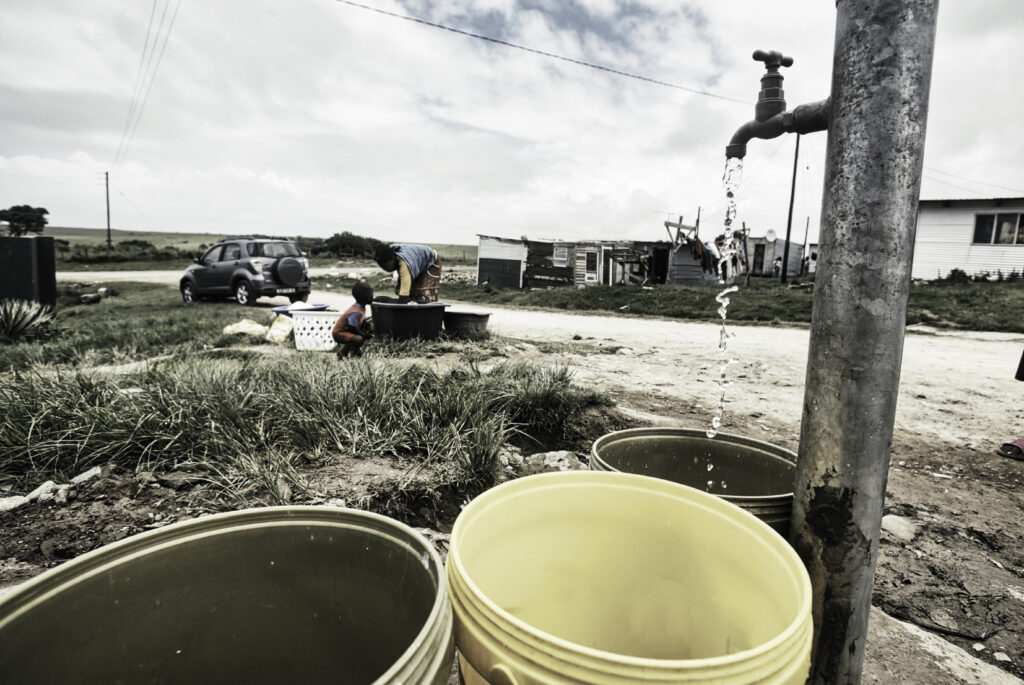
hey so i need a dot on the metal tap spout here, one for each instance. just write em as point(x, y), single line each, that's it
point(771, 119)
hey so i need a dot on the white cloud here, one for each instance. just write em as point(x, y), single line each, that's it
point(313, 117)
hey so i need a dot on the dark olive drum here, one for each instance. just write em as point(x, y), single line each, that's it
point(751, 474)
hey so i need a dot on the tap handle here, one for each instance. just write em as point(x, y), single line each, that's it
point(773, 59)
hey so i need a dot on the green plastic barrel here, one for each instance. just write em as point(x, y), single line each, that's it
point(276, 595)
point(754, 475)
point(588, 577)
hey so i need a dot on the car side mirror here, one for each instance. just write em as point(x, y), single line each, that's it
point(197, 260)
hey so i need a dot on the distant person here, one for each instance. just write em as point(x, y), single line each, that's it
point(353, 328)
point(1015, 449)
point(777, 267)
point(418, 267)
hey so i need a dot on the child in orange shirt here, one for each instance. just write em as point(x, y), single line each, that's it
point(353, 328)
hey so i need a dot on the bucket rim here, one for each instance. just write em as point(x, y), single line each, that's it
point(410, 306)
point(461, 312)
point(55, 580)
point(774, 450)
point(572, 652)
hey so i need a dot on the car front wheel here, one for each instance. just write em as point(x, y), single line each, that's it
point(188, 293)
point(244, 294)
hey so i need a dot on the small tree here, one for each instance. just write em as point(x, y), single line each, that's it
point(22, 219)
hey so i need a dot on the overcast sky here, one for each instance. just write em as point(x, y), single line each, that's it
point(311, 118)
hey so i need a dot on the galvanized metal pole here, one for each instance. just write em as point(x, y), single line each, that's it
point(789, 219)
point(880, 82)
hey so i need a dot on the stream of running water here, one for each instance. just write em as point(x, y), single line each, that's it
point(731, 180)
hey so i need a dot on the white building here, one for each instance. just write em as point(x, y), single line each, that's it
point(975, 236)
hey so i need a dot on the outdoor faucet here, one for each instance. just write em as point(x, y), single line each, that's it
point(771, 119)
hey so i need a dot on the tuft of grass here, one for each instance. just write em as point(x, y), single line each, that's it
point(21, 318)
point(227, 418)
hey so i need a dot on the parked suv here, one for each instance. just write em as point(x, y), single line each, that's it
point(247, 268)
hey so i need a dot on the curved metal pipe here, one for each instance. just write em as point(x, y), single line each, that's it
point(767, 129)
point(804, 119)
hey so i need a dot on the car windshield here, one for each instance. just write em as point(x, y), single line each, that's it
point(275, 250)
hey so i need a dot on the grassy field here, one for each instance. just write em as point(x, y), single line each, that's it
point(193, 244)
point(992, 306)
point(242, 412)
point(98, 236)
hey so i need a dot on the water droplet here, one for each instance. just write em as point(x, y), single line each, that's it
point(710, 483)
point(710, 466)
point(724, 486)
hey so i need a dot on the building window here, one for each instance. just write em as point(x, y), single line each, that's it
point(999, 229)
point(561, 256)
point(592, 262)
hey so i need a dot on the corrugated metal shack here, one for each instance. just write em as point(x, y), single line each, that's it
point(763, 253)
point(525, 263)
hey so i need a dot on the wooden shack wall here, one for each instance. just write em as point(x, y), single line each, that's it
point(540, 270)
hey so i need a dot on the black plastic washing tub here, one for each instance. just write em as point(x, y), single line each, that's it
point(408, 320)
point(466, 323)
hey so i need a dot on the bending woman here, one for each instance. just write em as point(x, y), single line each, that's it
point(418, 267)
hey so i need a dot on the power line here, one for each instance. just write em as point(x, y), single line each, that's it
point(971, 180)
point(958, 187)
point(152, 78)
point(543, 53)
point(138, 81)
point(44, 176)
point(137, 208)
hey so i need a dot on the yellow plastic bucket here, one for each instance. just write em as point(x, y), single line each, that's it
point(276, 595)
point(618, 578)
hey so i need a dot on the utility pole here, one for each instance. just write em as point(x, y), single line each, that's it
point(106, 178)
point(746, 256)
point(789, 221)
point(807, 230)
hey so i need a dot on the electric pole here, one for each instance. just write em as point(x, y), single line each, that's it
point(789, 221)
point(106, 178)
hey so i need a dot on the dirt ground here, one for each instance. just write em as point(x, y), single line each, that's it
point(959, 574)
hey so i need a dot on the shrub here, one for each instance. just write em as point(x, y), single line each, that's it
point(20, 318)
point(956, 276)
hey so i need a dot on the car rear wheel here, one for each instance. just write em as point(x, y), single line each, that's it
point(188, 293)
point(244, 294)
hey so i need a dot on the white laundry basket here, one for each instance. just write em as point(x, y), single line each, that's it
point(312, 330)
